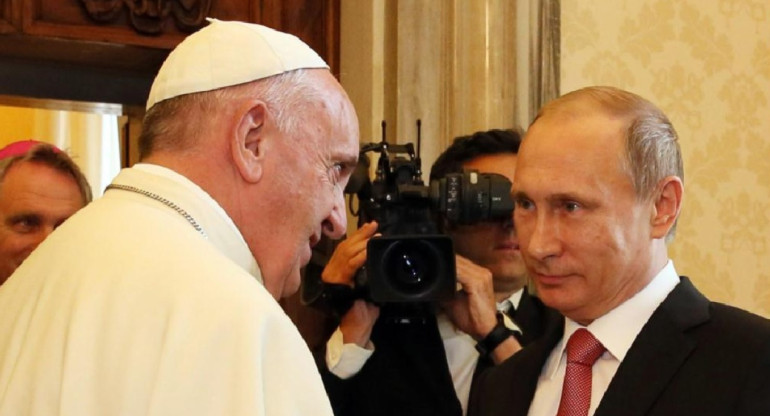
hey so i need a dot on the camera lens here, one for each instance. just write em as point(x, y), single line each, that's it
point(409, 270)
point(410, 266)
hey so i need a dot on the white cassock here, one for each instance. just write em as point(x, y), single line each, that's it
point(127, 309)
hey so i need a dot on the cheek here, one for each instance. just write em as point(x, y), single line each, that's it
point(462, 246)
point(461, 238)
point(604, 256)
point(17, 244)
point(523, 224)
point(315, 199)
point(614, 235)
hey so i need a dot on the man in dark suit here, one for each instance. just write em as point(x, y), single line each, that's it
point(598, 190)
point(377, 365)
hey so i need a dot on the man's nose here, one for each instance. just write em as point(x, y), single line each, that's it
point(544, 239)
point(507, 223)
point(335, 225)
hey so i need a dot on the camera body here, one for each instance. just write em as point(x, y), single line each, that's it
point(412, 261)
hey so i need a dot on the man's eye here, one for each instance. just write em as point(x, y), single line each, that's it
point(571, 206)
point(25, 225)
point(523, 204)
point(337, 170)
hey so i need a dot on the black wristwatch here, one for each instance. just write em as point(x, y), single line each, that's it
point(495, 337)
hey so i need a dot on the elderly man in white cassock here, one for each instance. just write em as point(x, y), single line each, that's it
point(160, 297)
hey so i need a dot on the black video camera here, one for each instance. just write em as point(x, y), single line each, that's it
point(412, 262)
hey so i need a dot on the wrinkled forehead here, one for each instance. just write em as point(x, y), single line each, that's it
point(338, 104)
point(332, 120)
point(345, 130)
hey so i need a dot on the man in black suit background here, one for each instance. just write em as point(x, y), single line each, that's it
point(381, 367)
point(599, 187)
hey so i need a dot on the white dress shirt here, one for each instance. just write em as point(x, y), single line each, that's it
point(616, 330)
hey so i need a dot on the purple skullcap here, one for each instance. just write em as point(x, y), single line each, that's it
point(21, 147)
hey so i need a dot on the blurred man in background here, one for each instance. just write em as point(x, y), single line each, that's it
point(40, 187)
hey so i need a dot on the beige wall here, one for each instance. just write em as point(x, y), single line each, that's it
point(89, 134)
point(706, 63)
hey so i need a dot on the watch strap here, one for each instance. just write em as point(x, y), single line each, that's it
point(495, 337)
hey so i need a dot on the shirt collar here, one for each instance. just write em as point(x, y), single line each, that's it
point(448, 330)
point(618, 328)
point(515, 300)
point(206, 211)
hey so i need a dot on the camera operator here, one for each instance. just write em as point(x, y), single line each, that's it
point(425, 367)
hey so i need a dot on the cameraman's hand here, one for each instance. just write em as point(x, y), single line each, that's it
point(357, 323)
point(473, 308)
point(349, 256)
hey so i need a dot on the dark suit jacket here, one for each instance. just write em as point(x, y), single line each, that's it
point(693, 357)
point(408, 373)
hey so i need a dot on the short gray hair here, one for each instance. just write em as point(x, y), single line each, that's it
point(652, 144)
point(174, 120)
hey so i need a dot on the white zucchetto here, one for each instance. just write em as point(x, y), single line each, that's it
point(227, 53)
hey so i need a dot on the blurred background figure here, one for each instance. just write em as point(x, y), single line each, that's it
point(40, 187)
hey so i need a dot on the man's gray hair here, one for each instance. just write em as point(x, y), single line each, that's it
point(52, 157)
point(652, 144)
point(173, 124)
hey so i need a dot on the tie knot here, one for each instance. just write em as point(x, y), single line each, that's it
point(506, 307)
point(583, 348)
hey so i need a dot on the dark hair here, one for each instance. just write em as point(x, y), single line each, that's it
point(467, 148)
point(48, 155)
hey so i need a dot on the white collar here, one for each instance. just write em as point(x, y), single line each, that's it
point(448, 330)
point(218, 226)
point(618, 328)
point(515, 300)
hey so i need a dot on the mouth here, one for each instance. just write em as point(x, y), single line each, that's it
point(508, 246)
point(549, 279)
point(307, 254)
point(314, 239)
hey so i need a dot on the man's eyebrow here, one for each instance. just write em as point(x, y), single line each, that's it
point(348, 159)
point(21, 216)
point(561, 196)
point(519, 195)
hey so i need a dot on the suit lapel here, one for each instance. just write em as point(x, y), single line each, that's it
point(528, 318)
point(656, 355)
point(530, 363)
point(510, 386)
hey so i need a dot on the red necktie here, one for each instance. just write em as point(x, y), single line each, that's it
point(582, 352)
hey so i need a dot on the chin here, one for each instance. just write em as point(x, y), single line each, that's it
point(509, 271)
point(558, 298)
point(291, 285)
point(550, 299)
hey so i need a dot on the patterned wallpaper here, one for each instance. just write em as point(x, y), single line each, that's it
point(706, 63)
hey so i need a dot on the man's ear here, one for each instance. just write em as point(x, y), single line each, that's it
point(667, 204)
point(248, 141)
